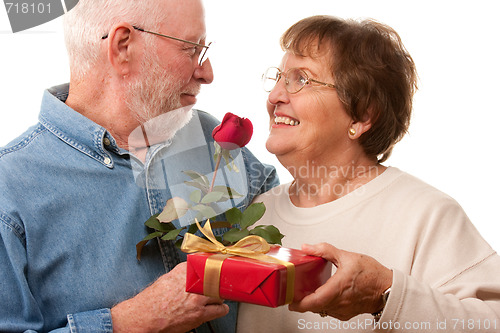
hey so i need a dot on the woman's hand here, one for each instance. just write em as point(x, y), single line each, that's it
point(355, 288)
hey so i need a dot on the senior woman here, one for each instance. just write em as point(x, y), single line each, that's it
point(407, 257)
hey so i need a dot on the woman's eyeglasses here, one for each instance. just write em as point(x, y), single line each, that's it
point(295, 79)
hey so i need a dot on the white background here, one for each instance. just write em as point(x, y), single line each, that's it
point(453, 140)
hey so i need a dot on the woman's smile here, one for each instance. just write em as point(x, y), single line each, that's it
point(283, 120)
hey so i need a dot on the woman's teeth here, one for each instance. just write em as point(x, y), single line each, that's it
point(286, 121)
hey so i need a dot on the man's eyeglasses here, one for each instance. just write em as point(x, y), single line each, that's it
point(204, 48)
point(295, 79)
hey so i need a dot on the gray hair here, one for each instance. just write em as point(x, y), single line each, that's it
point(89, 20)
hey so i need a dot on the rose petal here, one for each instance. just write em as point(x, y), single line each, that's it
point(233, 132)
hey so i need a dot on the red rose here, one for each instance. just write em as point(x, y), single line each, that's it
point(233, 132)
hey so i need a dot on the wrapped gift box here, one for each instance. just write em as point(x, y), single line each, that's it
point(258, 282)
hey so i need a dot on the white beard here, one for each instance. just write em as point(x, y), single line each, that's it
point(155, 102)
point(160, 129)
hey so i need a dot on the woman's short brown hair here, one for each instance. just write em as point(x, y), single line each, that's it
point(374, 74)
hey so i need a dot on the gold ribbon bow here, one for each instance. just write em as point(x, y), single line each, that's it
point(252, 246)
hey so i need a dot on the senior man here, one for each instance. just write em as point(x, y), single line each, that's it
point(77, 187)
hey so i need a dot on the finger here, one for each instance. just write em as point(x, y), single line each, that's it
point(320, 299)
point(214, 300)
point(324, 250)
point(214, 311)
point(313, 302)
point(180, 268)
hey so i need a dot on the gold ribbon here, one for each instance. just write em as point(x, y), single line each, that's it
point(252, 246)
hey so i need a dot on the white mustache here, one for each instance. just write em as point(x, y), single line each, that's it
point(195, 91)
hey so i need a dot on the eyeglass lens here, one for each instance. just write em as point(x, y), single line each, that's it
point(204, 54)
point(270, 78)
point(295, 79)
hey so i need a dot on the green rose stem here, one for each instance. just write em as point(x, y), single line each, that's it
point(215, 172)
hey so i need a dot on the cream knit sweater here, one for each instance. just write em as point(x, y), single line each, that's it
point(446, 277)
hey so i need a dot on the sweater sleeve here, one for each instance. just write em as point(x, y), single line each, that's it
point(454, 283)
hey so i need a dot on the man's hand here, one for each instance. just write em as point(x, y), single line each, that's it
point(355, 288)
point(166, 306)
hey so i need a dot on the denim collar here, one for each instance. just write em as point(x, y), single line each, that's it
point(76, 130)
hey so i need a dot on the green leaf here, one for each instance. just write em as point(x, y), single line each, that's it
point(269, 232)
point(207, 211)
point(192, 228)
point(234, 167)
point(226, 153)
point(139, 246)
point(234, 216)
point(212, 197)
point(220, 224)
point(204, 189)
point(218, 150)
point(229, 193)
point(178, 243)
point(176, 207)
point(200, 217)
point(233, 194)
point(252, 214)
point(171, 235)
point(217, 146)
point(195, 196)
point(155, 224)
point(198, 177)
point(234, 235)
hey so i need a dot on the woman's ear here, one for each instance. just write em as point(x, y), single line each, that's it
point(119, 48)
point(358, 128)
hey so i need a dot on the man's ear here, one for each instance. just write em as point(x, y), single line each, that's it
point(119, 48)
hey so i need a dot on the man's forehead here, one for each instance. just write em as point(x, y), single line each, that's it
point(184, 18)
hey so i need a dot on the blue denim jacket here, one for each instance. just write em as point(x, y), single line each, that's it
point(73, 206)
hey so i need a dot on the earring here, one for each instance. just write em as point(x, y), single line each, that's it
point(352, 131)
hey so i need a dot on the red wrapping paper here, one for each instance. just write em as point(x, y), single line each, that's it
point(258, 282)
